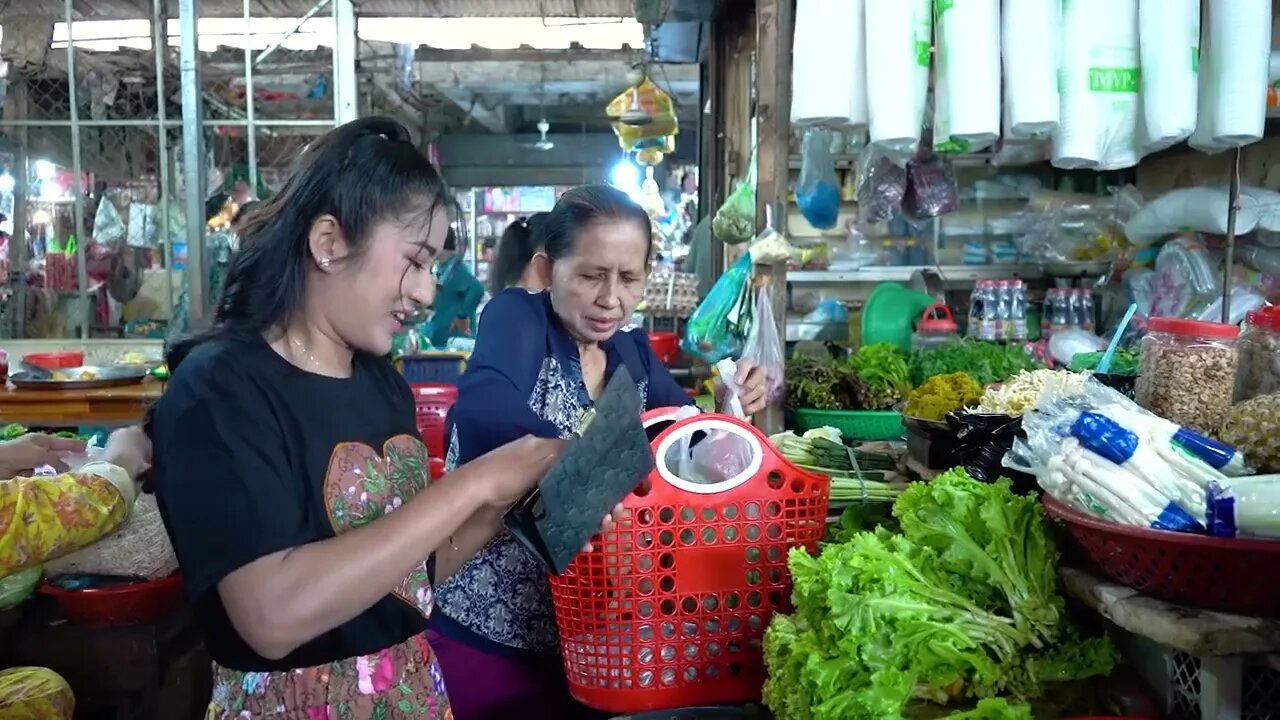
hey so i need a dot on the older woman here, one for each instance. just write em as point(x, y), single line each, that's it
point(540, 360)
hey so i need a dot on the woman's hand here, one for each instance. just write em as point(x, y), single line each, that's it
point(750, 379)
point(33, 450)
point(610, 522)
point(129, 448)
point(510, 471)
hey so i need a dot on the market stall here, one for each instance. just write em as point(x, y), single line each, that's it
point(989, 310)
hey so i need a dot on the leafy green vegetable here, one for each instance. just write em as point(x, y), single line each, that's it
point(994, 709)
point(962, 603)
point(1123, 363)
point(826, 384)
point(987, 362)
point(882, 365)
point(12, 431)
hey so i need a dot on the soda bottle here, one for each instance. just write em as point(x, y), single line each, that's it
point(1018, 310)
point(977, 310)
point(1086, 309)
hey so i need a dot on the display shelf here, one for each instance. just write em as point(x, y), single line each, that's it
point(846, 161)
point(903, 273)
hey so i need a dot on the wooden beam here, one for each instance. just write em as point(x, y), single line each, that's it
point(774, 23)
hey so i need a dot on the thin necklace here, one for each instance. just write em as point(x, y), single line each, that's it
point(303, 349)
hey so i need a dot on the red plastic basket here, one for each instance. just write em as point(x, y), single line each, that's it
point(1224, 574)
point(432, 402)
point(123, 605)
point(669, 610)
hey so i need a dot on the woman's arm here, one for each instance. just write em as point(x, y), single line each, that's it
point(493, 395)
point(70, 511)
point(285, 599)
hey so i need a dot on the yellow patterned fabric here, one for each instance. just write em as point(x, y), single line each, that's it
point(32, 693)
point(42, 518)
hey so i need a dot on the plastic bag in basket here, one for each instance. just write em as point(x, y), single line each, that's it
point(711, 457)
point(718, 328)
point(764, 347)
point(818, 194)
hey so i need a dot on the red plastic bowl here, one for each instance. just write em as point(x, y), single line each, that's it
point(122, 605)
point(666, 345)
point(1231, 575)
point(55, 360)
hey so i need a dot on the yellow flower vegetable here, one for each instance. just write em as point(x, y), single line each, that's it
point(942, 394)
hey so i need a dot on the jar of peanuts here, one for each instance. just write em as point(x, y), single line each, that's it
point(1259, 354)
point(1187, 372)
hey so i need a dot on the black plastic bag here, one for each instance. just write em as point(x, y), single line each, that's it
point(981, 442)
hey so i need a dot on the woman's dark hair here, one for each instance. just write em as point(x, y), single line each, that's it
point(242, 212)
point(450, 241)
point(516, 248)
point(583, 206)
point(362, 173)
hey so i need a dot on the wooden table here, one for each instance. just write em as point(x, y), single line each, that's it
point(102, 406)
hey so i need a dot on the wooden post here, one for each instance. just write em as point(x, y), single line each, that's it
point(774, 26)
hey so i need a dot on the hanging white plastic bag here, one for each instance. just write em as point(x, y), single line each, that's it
point(764, 347)
point(107, 225)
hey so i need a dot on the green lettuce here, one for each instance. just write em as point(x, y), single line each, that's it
point(962, 603)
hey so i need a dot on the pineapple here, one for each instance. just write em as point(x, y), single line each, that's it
point(1253, 428)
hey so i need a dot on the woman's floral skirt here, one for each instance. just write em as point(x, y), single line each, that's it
point(402, 682)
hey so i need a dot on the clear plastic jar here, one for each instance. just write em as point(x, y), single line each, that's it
point(1187, 373)
point(936, 327)
point(1259, 355)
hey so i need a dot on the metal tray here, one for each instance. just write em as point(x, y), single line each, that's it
point(103, 377)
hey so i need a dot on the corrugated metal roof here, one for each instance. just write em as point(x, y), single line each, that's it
point(128, 9)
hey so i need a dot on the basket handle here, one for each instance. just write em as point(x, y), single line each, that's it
point(708, 422)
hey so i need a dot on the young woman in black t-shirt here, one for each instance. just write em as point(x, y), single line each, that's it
point(287, 461)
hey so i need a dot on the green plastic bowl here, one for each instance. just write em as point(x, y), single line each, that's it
point(863, 425)
point(890, 315)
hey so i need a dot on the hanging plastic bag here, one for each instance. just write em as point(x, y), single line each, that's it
point(107, 225)
point(818, 194)
point(882, 182)
point(931, 187)
point(735, 221)
point(764, 347)
point(718, 328)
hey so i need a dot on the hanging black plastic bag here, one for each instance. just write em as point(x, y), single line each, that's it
point(931, 187)
point(981, 444)
point(818, 194)
point(882, 182)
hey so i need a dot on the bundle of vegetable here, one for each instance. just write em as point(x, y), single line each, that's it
point(942, 394)
point(874, 378)
point(883, 367)
point(961, 604)
point(1123, 363)
point(822, 451)
point(986, 362)
point(1023, 391)
point(824, 384)
point(1096, 450)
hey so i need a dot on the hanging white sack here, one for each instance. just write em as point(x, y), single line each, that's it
point(1207, 91)
point(1030, 42)
point(1240, 40)
point(828, 64)
point(1099, 84)
point(896, 59)
point(1169, 45)
point(967, 79)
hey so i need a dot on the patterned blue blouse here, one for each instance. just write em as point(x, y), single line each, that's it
point(524, 378)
